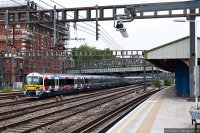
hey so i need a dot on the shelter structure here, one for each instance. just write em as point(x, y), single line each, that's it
point(174, 57)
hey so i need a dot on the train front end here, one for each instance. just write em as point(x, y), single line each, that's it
point(34, 85)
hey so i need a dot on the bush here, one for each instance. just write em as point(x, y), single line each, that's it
point(156, 83)
point(168, 81)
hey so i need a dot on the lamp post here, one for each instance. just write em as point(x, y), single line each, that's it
point(193, 57)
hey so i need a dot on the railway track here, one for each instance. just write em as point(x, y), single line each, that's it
point(106, 121)
point(49, 103)
point(13, 100)
point(63, 110)
point(10, 95)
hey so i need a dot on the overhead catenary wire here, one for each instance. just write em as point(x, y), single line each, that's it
point(110, 38)
point(107, 37)
point(40, 24)
point(72, 16)
point(76, 24)
point(62, 26)
point(17, 2)
point(109, 43)
point(68, 14)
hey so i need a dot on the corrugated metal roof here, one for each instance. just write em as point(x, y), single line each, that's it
point(178, 49)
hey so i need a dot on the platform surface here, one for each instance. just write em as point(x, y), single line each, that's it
point(163, 110)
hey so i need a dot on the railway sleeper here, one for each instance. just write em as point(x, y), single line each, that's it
point(15, 130)
point(26, 127)
point(22, 129)
point(40, 123)
point(49, 120)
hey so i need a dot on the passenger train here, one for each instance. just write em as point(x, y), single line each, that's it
point(43, 84)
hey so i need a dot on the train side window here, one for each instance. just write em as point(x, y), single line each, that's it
point(86, 81)
point(62, 82)
point(52, 82)
point(79, 81)
point(65, 81)
point(49, 82)
point(70, 81)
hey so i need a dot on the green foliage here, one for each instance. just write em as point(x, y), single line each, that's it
point(20, 89)
point(87, 53)
point(168, 81)
point(156, 83)
point(6, 89)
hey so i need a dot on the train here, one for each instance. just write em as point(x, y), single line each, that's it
point(38, 85)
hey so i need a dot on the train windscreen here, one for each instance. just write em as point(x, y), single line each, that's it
point(34, 80)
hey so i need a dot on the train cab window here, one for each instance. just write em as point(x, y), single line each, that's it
point(40, 81)
point(34, 80)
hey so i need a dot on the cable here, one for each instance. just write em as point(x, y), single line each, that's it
point(108, 42)
point(110, 37)
point(42, 24)
point(112, 40)
point(85, 31)
point(17, 2)
point(46, 3)
point(70, 15)
point(70, 25)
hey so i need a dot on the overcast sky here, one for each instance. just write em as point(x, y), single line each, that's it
point(143, 34)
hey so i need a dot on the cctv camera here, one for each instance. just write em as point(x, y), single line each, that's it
point(120, 27)
point(123, 32)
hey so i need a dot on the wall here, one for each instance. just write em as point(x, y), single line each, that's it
point(182, 79)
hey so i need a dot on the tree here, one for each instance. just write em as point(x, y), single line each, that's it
point(87, 53)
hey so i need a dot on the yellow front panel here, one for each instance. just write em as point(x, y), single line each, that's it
point(33, 87)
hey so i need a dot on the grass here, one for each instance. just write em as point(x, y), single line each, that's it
point(7, 89)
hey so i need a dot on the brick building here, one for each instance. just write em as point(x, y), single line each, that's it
point(29, 48)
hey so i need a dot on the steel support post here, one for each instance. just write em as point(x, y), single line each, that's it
point(144, 63)
point(97, 25)
point(6, 27)
point(193, 57)
point(54, 27)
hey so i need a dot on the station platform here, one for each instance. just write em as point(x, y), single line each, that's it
point(163, 110)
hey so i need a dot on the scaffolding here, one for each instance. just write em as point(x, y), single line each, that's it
point(29, 48)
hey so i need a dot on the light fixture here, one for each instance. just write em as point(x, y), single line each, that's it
point(120, 27)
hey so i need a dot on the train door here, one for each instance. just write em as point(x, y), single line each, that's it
point(56, 83)
point(75, 83)
point(80, 82)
